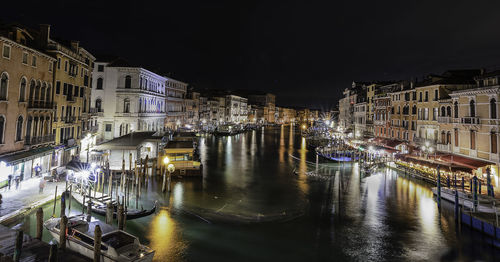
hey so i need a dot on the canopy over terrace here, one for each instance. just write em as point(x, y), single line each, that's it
point(447, 162)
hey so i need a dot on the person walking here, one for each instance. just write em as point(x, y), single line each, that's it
point(41, 185)
point(18, 180)
point(38, 169)
point(9, 180)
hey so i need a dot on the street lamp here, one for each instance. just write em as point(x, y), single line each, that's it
point(166, 160)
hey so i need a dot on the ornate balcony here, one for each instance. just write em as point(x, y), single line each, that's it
point(37, 140)
point(470, 120)
point(444, 119)
point(37, 105)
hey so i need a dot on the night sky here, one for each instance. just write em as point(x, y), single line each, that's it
point(305, 52)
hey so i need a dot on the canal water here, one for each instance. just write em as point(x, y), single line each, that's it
point(250, 206)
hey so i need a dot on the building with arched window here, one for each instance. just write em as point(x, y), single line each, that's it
point(133, 99)
point(25, 71)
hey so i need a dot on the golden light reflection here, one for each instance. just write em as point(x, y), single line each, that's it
point(165, 238)
point(282, 145)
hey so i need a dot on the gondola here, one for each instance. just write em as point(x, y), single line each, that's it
point(99, 207)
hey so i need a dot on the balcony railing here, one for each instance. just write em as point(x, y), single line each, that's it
point(40, 105)
point(444, 148)
point(37, 140)
point(70, 119)
point(470, 120)
point(444, 119)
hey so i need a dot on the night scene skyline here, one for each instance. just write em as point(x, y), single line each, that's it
point(304, 52)
point(249, 131)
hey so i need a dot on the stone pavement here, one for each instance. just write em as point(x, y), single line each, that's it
point(16, 202)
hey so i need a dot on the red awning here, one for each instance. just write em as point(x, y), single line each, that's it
point(464, 161)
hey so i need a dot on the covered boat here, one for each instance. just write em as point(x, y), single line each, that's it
point(99, 206)
point(116, 245)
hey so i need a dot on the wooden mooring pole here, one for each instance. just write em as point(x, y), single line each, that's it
point(55, 200)
point(97, 243)
point(39, 223)
point(109, 213)
point(19, 245)
point(53, 252)
point(62, 232)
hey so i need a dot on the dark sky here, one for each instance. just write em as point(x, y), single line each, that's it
point(306, 52)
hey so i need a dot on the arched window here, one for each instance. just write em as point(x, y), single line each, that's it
point(128, 82)
point(4, 84)
point(472, 108)
point(48, 94)
point(42, 95)
point(99, 83)
point(456, 109)
point(32, 91)
point(126, 105)
point(448, 111)
point(493, 108)
point(2, 128)
point(22, 90)
point(443, 111)
point(37, 92)
point(98, 103)
point(19, 129)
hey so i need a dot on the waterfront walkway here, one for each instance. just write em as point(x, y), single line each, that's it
point(16, 202)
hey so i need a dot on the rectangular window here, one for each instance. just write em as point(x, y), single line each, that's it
point(58, 87)
point(25, 58)
point(472, 140)
point(494, 146)
point(108, 127)
point(76, 91)
point(6, 51)
point(65, 66)
point(58, 63)
point(33, 61)
point(65, 89)
point(100, 68)
point(50, 66)
point(81, 91)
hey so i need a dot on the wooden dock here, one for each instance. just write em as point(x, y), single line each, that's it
point(33, 249)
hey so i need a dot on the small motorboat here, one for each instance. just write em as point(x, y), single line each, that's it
point(116, 245)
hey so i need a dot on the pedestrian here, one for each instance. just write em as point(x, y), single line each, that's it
point(9, 180)
point(38, 169)
point(41, 185)
point(18, 179)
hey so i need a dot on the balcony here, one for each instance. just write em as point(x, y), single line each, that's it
point(69, 119)
point(444, 119)
point(37, 140)
point(469, 120)
point(96, 111)
point(36, 105)
point(71, 98)
point(380, 122)
point(444, 148)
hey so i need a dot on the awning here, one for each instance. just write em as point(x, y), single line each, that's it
point(24, 156)
point(464, 161)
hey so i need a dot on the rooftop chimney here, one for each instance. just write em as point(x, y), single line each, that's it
point(74, 45)
point(44, 35)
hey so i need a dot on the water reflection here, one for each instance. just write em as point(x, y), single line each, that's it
point(165, 238)
point(382, 216)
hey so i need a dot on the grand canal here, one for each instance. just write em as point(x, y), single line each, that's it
point(250, 206)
